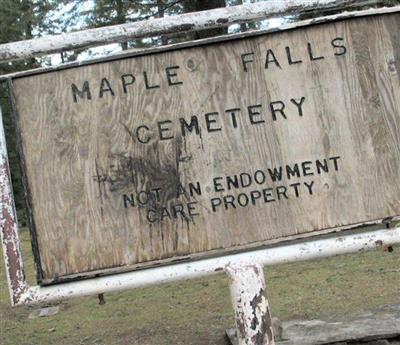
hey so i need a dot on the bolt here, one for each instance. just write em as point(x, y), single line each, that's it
point(102, 300)
point(392, 66)
point(190, 64)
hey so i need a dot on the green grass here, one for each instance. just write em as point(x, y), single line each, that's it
point(197, 312)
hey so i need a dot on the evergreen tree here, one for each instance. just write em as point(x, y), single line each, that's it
point(109, 12)
point(318, 12)
point(20, 20)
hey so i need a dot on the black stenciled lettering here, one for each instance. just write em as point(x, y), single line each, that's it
point(194, 188)
point(338, 46)
point(270, 57)
point(322, 166)
point(311, 54)
point(217, 185)
point(276, 174)
point(298, 104)
point(268, 196)
point(151, 215)
point(233, 115)
point(309, 187)
point(210, 119)
point(246, 58)
point(81, 93)
point(229, 200)
point(194, 124)
point(180, 190)
point(232, 181)
point(215, 202)
point(146, 82)
point(259, 177)
point(146, 138)
point(178, 209)
point(191, 206)
point(243, 199)
point(335, 162)
point(163, 130)
point(253, 113)
point(156, 193)
point(172, 73)
point(281, 190)
point(105, 87)
point(129, 200)
point(245, 180)
point(292, 172)
point(295, 186)
point(306, 167)
point(277, 107)
point(165, 213)
point(255, 195)
point(143, 197)
point(127, 79)
point(289, 57)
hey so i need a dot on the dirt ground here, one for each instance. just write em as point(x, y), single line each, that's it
point(197, 312)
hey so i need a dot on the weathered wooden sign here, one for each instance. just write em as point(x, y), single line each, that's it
point(221, 146)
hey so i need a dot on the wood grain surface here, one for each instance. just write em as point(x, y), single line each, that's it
point(140, 161)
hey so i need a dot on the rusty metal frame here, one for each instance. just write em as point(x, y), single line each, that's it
point(245, 270)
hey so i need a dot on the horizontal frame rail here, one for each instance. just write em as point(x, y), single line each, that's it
point(308, 250)
point(188, 22)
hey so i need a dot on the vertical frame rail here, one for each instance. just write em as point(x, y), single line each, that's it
point(9, 226)
point(23, 294)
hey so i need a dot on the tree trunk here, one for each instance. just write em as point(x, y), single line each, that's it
point(121, 19)
point(27, 8)
point(160, 8)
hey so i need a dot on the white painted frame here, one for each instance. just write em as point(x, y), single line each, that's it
point(188, 22)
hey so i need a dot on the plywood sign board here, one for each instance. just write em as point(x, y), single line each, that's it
point(213, 147)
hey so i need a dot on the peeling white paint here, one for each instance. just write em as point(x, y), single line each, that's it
point(160, 26)
point(308, 250)
point(252, 313)
point(9, 226)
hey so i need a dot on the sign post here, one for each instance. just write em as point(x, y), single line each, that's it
point(225, 154)
point(249, 300)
